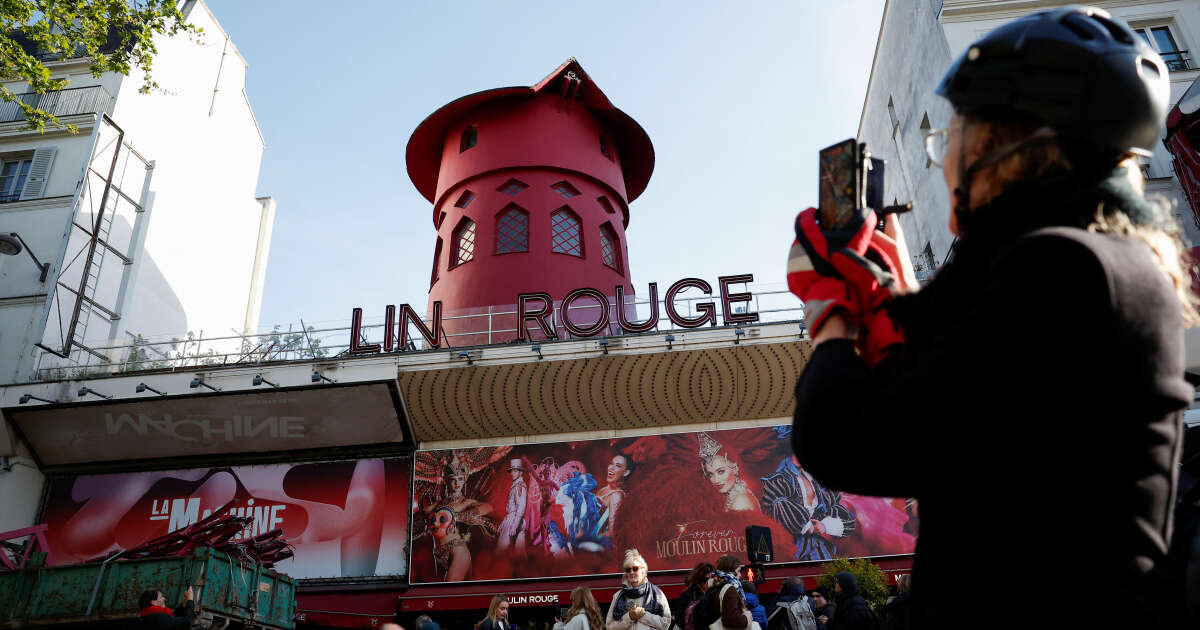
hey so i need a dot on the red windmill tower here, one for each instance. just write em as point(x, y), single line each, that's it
point(530, 189)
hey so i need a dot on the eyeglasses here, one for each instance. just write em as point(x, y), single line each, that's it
point(632, 569)
point(935, 146)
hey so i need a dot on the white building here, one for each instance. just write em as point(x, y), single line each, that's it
point(181, 244)
point(919, 39)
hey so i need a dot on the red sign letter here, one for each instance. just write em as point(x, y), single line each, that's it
point(407, 314)
point(601, 320)
point(356, 337)
point(644, 326)
point(728, 298)
point(708, 309)
point(538, 316)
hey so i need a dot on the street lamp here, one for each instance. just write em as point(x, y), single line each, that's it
point(11, 245)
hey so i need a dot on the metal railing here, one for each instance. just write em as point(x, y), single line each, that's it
point(68, 102)
point(1178, 60)
point(307, 342)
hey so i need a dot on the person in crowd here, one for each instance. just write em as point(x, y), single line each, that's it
point(425, 622)
point(694, 587)
point(895, 611)
point(584, 613)
point(726, 599)
point(1065, 287)
point(639, 605)
point(758, 612)
point(497, 615)
point(156, 616)
point(792, 610)
point(391, 626)
point(853, 612)
point(823, 607)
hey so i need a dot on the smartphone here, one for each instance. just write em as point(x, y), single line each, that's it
point(562, 612)
point(840, 184)
point(874, 191)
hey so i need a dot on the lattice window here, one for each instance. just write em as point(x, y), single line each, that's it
point(565, 189)
point(464, 242)
point(606, 204)
point(566, 237)
point(512, 187)
point(464, 199)
point(470, 138)
point(610, 250)
point(512, 231)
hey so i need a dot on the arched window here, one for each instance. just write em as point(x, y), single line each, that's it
point(566, 237)
point(512, 230)
point(437, 254)
point(610, 248)
point(470, 138)
point(464, 242)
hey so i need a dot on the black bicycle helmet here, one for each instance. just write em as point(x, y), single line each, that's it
point(1087, 76)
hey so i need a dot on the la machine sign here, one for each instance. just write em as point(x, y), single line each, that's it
point(537, 308)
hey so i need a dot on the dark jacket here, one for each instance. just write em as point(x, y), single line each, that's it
point(829, 611)
point(679, 606)
point(1036, 409)
point(895, 612)
point(731, 608)
point(181, 618)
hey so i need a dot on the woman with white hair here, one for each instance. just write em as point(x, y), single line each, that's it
point(639, 605)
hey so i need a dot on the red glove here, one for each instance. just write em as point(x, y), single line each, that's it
point(822, 295)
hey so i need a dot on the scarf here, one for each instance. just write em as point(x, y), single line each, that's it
point(649, 594)
point(151, 610)
point(732, 580)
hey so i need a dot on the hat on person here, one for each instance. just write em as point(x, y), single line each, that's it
point(820, 590)
point(516, 464)
point(848, 581)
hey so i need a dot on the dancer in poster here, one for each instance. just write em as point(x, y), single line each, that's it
point(722, 472)
point(581, 516)
point(451, 556)
point(611, 494)
point(448, 486)
point(512, 529)
point(812, 514)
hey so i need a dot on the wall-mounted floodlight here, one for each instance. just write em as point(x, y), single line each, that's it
point(737, 336)
point(259, 380)
point(84, 391)
point(28, 397)
point(11, 244)
point(537, 347)
point(670, 341)
point(317, 377)
point(466, 354)
point(197, 382)
point(604, 345)
point(141, 387)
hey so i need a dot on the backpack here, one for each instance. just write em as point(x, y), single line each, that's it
point(796, 615)
point(689, 616)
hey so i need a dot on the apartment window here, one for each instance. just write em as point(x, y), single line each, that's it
point(464, 199)
point(437, 254)
point(512, 230)
point(893, 117)
point(1162, 38)
point(512, 187)
point(12, 178)
point(566, 237)
point(565, 189)
point(470, 138)
point(606, 204)
point(610, 251)
point(464, 242)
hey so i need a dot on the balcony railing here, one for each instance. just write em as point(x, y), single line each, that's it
point(1178, 60)
point(68, 102)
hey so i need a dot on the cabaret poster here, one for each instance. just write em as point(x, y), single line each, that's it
point(343, 519)
point(564, 509)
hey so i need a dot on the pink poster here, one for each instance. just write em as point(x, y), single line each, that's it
point(345, 519)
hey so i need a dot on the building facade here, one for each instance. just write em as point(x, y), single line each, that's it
point(144, 224)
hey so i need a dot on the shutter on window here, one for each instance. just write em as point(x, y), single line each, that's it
point(39, 173)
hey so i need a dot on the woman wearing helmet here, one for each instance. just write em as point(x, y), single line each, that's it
point(1033, 390)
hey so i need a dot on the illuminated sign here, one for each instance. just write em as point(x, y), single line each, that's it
point(538, 308)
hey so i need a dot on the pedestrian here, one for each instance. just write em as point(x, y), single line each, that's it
point(156, 616)
point(694, 587)
point(497, 615)
point(727, 601)
point(853, 612)
point(895, 611)
point(391, 626)
point(425, 622)
point(639, 605)
point(758, 612)
point(583, 614)
point(1044, 361)
point(823, 607)
point(793, 610)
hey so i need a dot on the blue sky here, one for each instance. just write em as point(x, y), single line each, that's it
point(737, 101)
